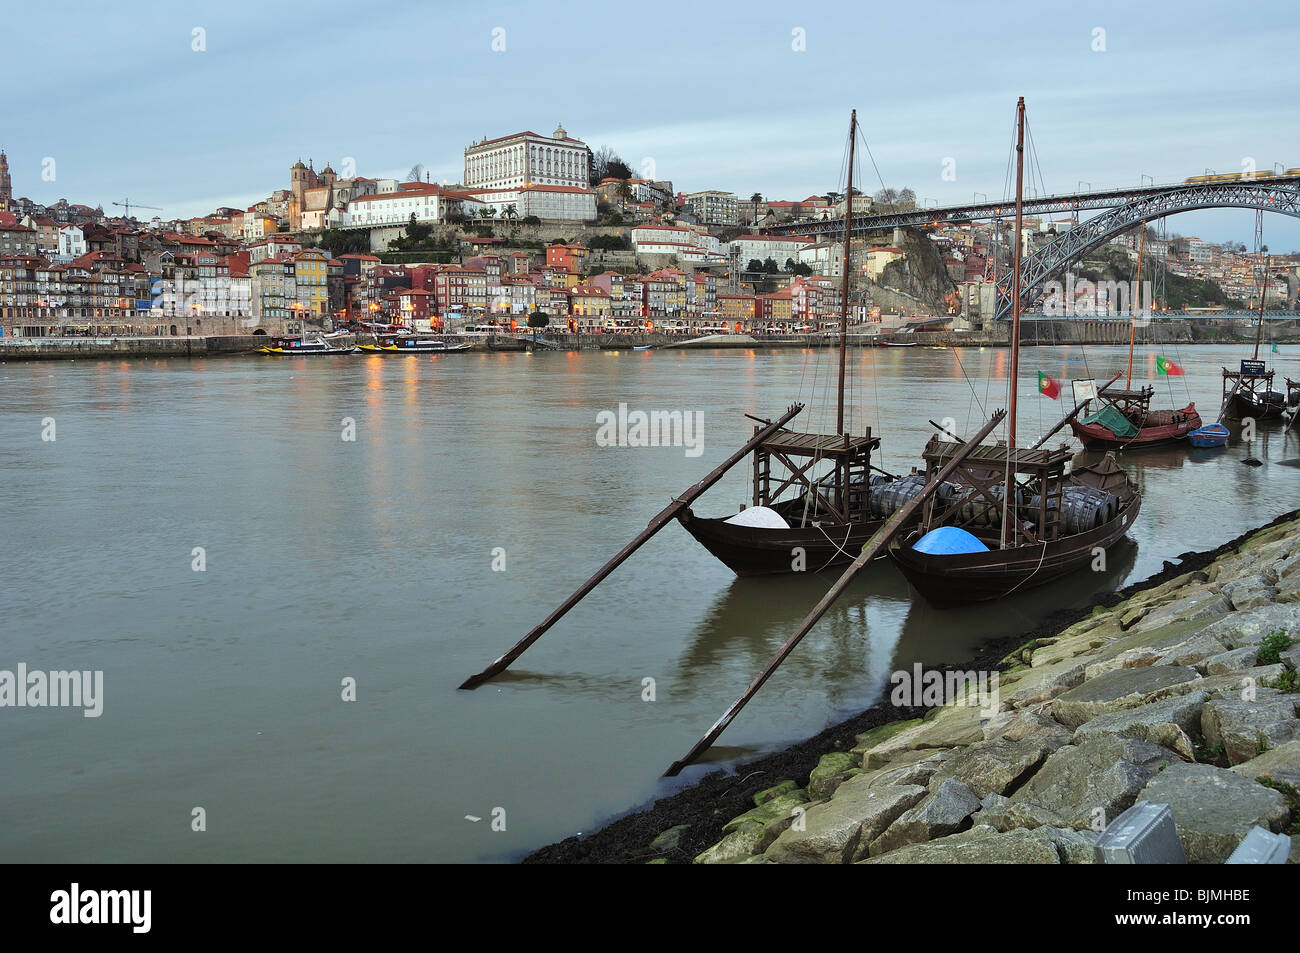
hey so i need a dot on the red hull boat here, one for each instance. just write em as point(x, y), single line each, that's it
point(1156, 427)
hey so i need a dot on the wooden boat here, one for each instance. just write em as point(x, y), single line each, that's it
point(1127, 422)
point(1248, 392)
point(1125, 419)
point(975, 541)
point(1057, 532)
point(800, 521)
point(1211, 435)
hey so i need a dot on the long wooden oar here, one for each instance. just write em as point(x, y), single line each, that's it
point(869, 551)
point(1074, 413)
point(661, 519)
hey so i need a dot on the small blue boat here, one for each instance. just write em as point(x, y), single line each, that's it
point(1212, 435)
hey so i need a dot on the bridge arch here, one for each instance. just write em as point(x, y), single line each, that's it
point(1068, 248)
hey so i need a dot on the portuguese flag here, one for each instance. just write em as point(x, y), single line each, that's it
point(1167, 367)
point(1048, 387)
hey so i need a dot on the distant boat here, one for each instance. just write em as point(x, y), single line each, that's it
point(1248, 392)
point(410, 345)
point(1126, 421)
point(644, 347)
point(281, 347)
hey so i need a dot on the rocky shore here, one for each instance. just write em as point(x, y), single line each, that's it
point(1181, 690)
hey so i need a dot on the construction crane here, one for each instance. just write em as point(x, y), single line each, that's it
point(127, 203)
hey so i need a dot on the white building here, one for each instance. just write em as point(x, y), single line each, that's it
point(548, 202)
point(430, 204)
point(72, 242)
point(761, 247)
point(524, 159)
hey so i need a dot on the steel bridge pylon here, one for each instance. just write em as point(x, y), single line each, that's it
point(1052, 258)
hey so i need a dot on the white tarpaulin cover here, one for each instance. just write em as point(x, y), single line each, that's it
point(761, 517)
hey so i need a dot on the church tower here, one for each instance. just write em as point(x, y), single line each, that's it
point(6, 186)
point(298, 183)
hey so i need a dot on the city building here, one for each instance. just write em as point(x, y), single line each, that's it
point(712, 207)
point(525, 158)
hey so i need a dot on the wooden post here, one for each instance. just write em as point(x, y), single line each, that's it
point(869, 551)
point(658, 522)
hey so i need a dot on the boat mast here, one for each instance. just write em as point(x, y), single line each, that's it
point(1015, 268)
point(848, 241)
point(1263, 291)
point(1015, 313)
point(1137, 301)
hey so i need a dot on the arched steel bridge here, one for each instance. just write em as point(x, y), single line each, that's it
point(1127, 208)
point(1274, 196)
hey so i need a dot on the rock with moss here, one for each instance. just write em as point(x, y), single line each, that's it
point(775, 791)
point(1280, 765)
point(774, 809)
point(1214, 808)
point(736, 846)
point(832, 770)
point(939, 813)
point(834, 831)
point(993, 767)
point(1248, 728)
point(1117, 690)
point(882, 733)
point(979, 845)
point(1100, 777)
point(1170, 723)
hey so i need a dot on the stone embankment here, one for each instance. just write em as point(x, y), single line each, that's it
point(1184, 694)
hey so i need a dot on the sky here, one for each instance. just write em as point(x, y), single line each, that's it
point(194, 108)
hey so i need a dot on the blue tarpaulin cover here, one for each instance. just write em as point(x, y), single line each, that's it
point(947, 540)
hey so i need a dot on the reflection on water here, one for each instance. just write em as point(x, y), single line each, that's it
point(373, 559)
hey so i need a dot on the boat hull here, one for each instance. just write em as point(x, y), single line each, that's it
point(1247, 405)
point(1097, 437)
point(959, 579)
point(758, 551)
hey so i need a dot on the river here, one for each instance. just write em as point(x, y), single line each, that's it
point(204, 534)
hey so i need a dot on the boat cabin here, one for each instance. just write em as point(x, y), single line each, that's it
point(840, 494)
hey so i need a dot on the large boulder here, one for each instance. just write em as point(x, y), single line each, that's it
point(1248, 628)
point(941, 812)
point(1280, 764)
point(993, 767)
point(735, 847)
point(1117, 690)
point(1247, 729)
point(1192, 651)
point(834, 831)
point(1171, 723)
point(1214, 808)
point(1097, 779)
point(979, 845)
point(1200, 603)
point(832, 770)
point(1233, 660)
point(1019, 724)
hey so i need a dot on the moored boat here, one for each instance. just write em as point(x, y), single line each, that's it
point(1011, 518)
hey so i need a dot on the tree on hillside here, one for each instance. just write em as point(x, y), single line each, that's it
point(624, 192)
point(415, 232)
point(756, 198)
point(607, 164)
point(770, 266)
point(754, 265)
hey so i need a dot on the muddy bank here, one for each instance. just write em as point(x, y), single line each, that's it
point(676, 829)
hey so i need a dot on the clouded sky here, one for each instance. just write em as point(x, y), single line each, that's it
point(715, 95)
